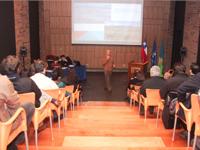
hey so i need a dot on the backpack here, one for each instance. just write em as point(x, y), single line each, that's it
point(197, 146)
point(169, 111)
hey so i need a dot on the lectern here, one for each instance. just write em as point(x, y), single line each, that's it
point(137, 66)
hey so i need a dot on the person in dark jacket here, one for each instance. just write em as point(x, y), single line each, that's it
point(21, 84)
point(155, 82)
point(192, 85)
point(189, 86)
point(137, 79)
point(194, 69)
point(70, 79)
point(172, 83)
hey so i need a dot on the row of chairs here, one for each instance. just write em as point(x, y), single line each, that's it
point(153, 99)
point(192, 115)
point(44, 111)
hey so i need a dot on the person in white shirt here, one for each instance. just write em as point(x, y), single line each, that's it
point(42, 81)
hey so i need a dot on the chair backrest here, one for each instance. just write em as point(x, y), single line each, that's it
point(195, 107)
point(6, 133)
point(153, 96)
point(27, 97)
point(69, 88)
point(55, 93)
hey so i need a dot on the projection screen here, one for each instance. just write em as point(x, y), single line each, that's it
point(115, 22)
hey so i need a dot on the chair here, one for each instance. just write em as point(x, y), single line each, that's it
point(59, 95)
point(69, 89)
point(128, 92)
point(153, 99)
point(195, 116)
point(188, 120)
point(40, 113)
point(64, 103)
point(77, 94)
point(160, 108)
point(75, 97)
point(7, 135)
point(134, 96)
point(27, 97)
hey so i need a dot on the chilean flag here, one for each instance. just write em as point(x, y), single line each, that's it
point(144, 52)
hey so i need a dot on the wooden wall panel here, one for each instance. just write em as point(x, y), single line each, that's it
point(191, 31)
point(55, 34)
point(22, 35)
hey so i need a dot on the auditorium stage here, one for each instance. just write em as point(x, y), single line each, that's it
point(94, 87)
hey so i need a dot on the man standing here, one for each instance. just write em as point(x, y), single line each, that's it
point(108, 66)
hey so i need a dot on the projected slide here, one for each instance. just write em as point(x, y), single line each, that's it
point(116, 22)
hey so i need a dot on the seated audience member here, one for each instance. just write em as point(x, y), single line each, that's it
point(52, 70)
point(9, 103)
point(65, 61)
point(194, 69)
point(50, 59)
point(21, 84)
point(137, 79)
point(155, 82)
point(168, 74)
point(42, 81)
point(70, 79)
point(192, 85)
point(172, 83)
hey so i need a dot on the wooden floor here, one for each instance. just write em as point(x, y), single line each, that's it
point(104, 123)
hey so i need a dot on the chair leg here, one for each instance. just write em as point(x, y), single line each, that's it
point(36, 138)
point(71, 106)
point(139, 107)
point(66, 110)
point(175, 121)
point(194, 143)
point(59, 120)
point(157, 117)
point(81, 99)
point(145, 113)
point(188, 139)
point(26, 140)
point(63, 110)
point(77, 101)
point(50, 121)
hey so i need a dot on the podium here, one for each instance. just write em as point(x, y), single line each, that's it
point(137, 66)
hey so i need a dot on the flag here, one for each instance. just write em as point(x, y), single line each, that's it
point(144, 52)
point(154, 54)
point(161, 57)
